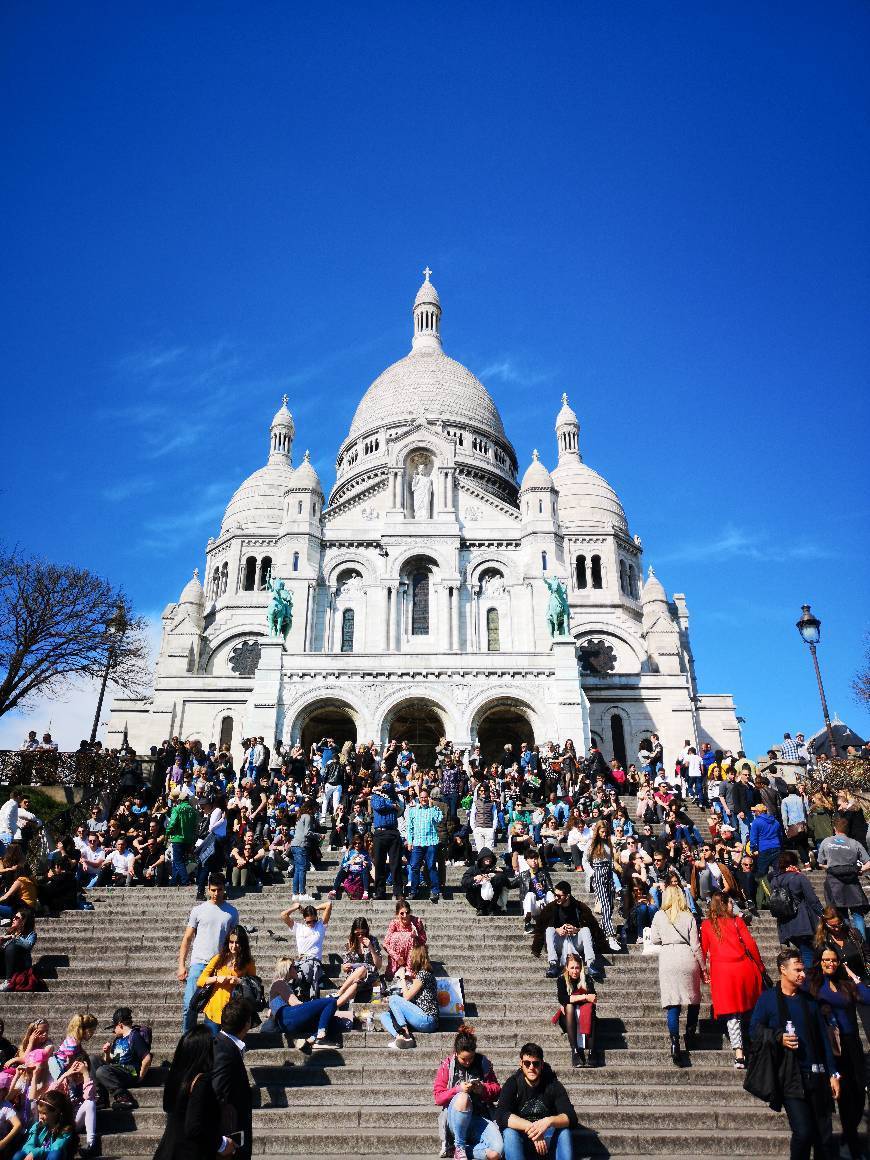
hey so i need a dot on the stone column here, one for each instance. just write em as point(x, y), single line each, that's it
point(454, 616)
point(328, 620)
point(569, 704)
point(475, 618)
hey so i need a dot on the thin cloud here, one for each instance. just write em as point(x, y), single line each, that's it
point(507, 370)
point(128, 489)
point(733, 542)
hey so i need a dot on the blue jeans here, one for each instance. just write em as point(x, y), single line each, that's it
point(180, 877)
point(188, 1015)
point(419, 854)
point(673, 1015)
point(856, 917)
point(404, 1013)
point(517, 1145)
point(451, 801)
point(766, 859)
point(300, 868)
point(302, 1019)
point(471, 1130)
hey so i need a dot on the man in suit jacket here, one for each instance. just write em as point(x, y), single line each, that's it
point(230, 1076)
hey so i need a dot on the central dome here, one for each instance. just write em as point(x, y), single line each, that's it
point(427, 383)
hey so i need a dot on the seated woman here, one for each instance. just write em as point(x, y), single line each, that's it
point(466, 1090)
point(305, 1021)
point(222, 972)
point(354, 872)
point(575, 991)
point(641, 910)
point(17, 942)
point(22, 891)
point(405, 932)
point(361, 964)
point(552, 835)
point(416, 1009)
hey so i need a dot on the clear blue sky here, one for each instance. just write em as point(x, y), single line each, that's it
point(660, 208)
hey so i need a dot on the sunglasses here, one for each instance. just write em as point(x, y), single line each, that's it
point(534, 1064)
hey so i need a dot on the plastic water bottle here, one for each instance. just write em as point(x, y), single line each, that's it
point(789, 1028)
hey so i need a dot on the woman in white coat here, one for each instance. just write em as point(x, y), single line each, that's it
point(681, 966)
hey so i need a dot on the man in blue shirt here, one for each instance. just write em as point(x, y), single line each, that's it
point(423, 821)
point(386, 839)
point(802, 1031)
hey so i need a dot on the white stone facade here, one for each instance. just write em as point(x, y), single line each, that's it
point(419, 604)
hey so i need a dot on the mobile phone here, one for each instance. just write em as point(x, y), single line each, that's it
point(237, 1138)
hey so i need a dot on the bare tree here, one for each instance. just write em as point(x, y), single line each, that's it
point(861, 680)
point(58, 623)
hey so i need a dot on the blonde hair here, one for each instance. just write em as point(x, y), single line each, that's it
point(567, 977)
point(674, 902)
point(419, 959)
point(82, 1026)
point(282, 967)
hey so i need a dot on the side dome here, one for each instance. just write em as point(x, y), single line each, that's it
point(305, 478)
point(258, 504)
point(536, 475)
point(586, 499)
point(427, 382)
point(192, 592)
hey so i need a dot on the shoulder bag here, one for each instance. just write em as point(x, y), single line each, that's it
point(766, 981)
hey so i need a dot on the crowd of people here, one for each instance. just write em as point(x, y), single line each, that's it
point(677, 855)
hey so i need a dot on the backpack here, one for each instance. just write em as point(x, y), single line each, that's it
point(782, 904)
point(26, 980)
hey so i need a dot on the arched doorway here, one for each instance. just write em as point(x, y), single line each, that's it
point(502, 725)
point(420, 724)
point(328, 720)
point(226, 734)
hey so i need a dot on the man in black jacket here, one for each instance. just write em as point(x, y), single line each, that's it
point(229, 1076)
point(568, 925)
point(534, 1111)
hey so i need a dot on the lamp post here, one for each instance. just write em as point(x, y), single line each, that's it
point(116, 626)
point(810, 627)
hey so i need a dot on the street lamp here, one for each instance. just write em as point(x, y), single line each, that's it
point(810, 627)
point(116, 626)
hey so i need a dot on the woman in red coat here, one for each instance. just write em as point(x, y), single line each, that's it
point(735, 970)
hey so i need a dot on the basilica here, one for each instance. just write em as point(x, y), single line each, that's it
point(420, 591)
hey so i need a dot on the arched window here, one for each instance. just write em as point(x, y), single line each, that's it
point(216, 582)
point(632, 582)
point(543, 561)
point(250, 576)
point(540, 507)
point(226, 734)
point(225, 576)
point(265, 569)
point(596, 571)
point(617, 736)
point(191, 660)
point(295, 561)
point(420, 604)
point(299, 507)
point(623, 577)
point(347, 619)
point(493, 643)
point(580, 572)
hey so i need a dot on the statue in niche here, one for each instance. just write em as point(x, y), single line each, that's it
point(493, 584)
point(421, 493)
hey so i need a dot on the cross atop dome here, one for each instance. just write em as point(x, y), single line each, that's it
point(427, 273)
point(285, 399)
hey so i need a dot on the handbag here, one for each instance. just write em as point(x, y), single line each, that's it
point(795, 829)
point(766, 981)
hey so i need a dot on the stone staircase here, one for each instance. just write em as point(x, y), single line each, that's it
point(360, 1099)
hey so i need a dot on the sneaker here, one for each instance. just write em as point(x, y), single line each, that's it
point(615, 945)
point(553, 971)
point(459, 1153)
point(393, 1045)
point(434, 897)
point(333, 895)
point(443, 1154)
point(528, 926)
point(365, 896)
point(86, 1151)
point(404, 1044)
point(578, 1058)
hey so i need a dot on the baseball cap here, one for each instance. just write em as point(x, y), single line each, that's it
point(121, 1015)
